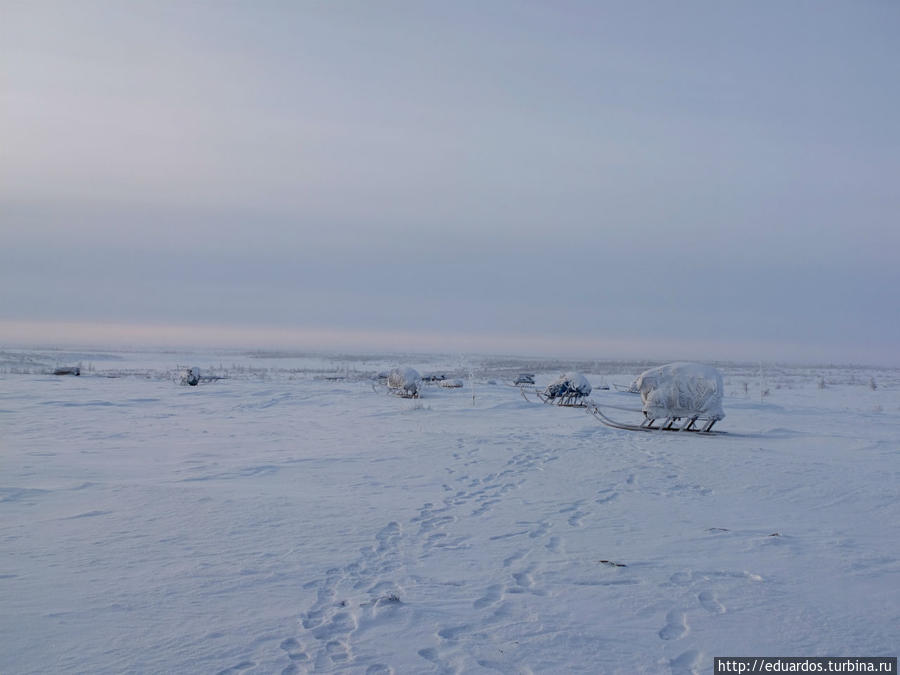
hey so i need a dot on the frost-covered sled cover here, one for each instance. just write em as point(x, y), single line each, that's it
point(404, 381)
point(568, 384)
point(682, 390)
point(190, 376)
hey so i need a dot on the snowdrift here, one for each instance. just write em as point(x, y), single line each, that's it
point(682, 390)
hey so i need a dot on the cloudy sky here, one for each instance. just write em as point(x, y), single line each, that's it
point(604, 179)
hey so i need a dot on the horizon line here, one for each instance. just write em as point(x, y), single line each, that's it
point(24, 334)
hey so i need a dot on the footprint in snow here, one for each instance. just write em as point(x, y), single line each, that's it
point(491, 596)
point(605, 498)
point(710, 602)
point(342, 623)
point(387, 535)
point(676, 626)
point(541, 530)
point(239, 668)
point(575, 520)
point(573, 507)
point(294, 650)
point(454, 632)
point(515, 557)
point(337, 651)
point(379, 669)
point(687, 663)
point(485, 507)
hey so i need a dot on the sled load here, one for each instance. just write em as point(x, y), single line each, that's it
point(675, 397)
point(569, 389)
point(404, 382)
point(190, 376)
point(67, 370)
point(524, 378)
point(451, 384)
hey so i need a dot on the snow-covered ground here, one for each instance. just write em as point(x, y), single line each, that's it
point(290, 518)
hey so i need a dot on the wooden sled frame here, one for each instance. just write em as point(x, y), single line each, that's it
point(569, 400)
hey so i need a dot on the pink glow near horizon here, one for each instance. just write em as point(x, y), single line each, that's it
point(149, 335)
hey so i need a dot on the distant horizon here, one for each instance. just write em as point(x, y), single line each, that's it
point(297, 341)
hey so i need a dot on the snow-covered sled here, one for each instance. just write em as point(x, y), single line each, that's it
point(569, 389)
point(629, 389)
point(675, 397)
point(404, 382)
point(190, 377)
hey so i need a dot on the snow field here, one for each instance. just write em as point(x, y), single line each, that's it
point(276, 522)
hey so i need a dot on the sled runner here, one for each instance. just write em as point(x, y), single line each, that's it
point(695, 423)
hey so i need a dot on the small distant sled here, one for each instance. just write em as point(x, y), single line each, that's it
point(67, 370)
point(524, 378)
point(404, 382)
point(630, 389)
point(675, 397)
point(190, 376)
point(569, 390)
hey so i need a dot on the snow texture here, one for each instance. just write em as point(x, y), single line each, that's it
point(274, 521)
point(682, 390)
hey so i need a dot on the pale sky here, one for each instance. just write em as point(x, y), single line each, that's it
point(668, 180)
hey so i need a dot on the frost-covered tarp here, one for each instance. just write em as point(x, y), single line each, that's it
point(682, 390)
point(568, 384)
point(405, 380)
